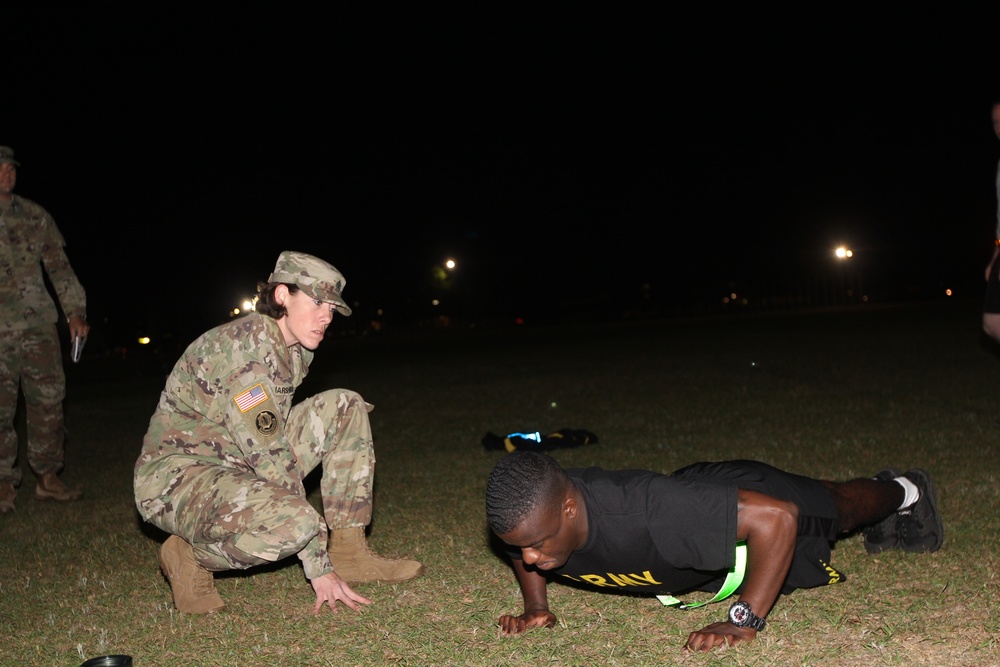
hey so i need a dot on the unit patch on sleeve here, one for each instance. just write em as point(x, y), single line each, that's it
point(266, 422)
point(253, 396)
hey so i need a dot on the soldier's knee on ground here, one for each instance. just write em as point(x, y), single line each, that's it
point(281, 539)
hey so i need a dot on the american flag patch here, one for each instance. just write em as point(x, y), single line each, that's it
point(250, 398)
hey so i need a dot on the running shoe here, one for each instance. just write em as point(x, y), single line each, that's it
point(919, 526)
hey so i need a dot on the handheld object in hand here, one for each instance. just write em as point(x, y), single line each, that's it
point(78, 344)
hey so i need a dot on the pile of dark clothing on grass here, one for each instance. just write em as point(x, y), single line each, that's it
point(564, 437)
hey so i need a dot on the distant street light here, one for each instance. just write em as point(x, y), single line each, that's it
point(247, 306)
point(441, 273)
point(442, 290)
point(850, 276)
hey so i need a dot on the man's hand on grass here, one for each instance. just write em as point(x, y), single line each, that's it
point(718, 634)
point(513, 625)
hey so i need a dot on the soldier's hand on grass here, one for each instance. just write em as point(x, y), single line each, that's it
point(330, 588)
point(512, 625)
point(718, 634)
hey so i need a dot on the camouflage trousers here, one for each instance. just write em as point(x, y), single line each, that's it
point(235, 519)
point(31, 361)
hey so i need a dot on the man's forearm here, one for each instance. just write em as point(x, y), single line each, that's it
point(533, 587)
point(769, 527)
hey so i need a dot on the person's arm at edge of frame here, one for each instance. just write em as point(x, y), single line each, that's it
point(536, 603)
point(769, 526)
point(993, 258)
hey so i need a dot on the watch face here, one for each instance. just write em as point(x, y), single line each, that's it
point(739, 613)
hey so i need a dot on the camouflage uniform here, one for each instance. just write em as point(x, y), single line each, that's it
point(30, 354)
point(225, 455)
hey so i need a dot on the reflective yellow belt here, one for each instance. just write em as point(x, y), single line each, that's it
point(733, 580)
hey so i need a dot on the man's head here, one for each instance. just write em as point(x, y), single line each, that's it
point(8, 172)
point(7, 156)
point(531, 503)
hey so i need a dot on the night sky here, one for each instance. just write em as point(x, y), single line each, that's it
point(561, 158)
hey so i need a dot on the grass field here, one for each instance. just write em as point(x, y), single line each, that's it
point(826, 394)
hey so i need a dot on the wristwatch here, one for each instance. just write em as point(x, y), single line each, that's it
point(742, 615)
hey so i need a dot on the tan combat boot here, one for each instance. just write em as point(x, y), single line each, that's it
point(193, 586)
point(7, 495)
point(354, 562)
point(50, 487)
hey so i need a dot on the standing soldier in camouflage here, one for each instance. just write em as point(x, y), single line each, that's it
point(30, 355)
point(223, 461)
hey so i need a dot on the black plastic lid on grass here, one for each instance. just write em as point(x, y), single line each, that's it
point(109, 661)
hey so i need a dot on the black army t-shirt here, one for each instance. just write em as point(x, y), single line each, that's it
point(651, 533)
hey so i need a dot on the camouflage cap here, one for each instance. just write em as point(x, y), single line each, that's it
point(7, 155)
point(315, 277)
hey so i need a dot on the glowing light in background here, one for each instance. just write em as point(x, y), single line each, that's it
point(247, 306)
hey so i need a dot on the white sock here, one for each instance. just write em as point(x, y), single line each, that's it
point(911, 493)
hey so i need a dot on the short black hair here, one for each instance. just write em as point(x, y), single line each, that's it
point(520, 483)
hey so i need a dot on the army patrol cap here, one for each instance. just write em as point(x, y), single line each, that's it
point(313, 276)
point(7, 155)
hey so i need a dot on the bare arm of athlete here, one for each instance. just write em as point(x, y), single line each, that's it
point(536, 603)
point(769, 526)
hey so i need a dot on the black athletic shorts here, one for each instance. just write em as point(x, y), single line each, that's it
point(817, 513)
